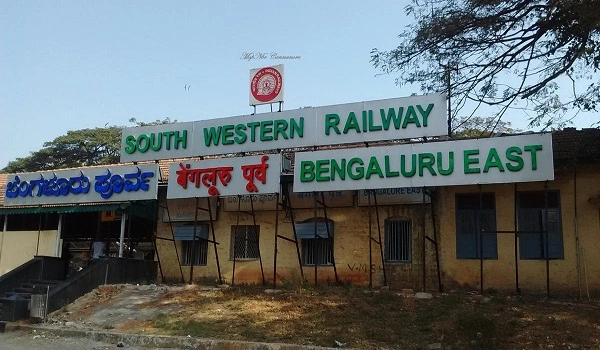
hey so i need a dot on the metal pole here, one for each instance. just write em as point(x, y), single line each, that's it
point(547, 245)
point(57, 251)
point(193, 257)
point(329, 238)
point(424, 242)
point(37, 247)
point(214, 239)
point(577, 247)
point(516, 216)
point(437, 254)
point(2, 236)
point(262, 271)
point(448, 85)
point(275, 250)
point(293, 219)
point(380, 242)
point(237, 224)
point(315, 253)
point(122, 237)
point(480, 234)
point(370, 244)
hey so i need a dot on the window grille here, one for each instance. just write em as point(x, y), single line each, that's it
point(244, 242)
point(199, 250)
point(398, 241)
point(317, 251)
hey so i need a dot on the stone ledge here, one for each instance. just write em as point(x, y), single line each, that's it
point(161, 341)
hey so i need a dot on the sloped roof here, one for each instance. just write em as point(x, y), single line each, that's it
point(572, 144)
point(3, 178)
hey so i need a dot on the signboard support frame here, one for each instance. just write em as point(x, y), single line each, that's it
point(253, 214)
point(379, 242)
point(194, 241)
point(435, 243)
point(213, 241)
point(214, 238)
point(286, 204)
point(166, 207)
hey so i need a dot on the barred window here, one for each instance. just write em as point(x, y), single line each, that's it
point(317, 251)
point(398, 241)
point(244, 242)
point(195, 252)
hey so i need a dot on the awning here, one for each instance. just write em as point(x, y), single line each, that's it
point(186, 233)
point(62, 209)
point(306, 230)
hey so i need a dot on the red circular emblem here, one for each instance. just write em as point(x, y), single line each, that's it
point(266, 84)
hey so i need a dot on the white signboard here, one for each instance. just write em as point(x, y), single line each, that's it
point(392, 196)
point(299, 200)
point(509, 159)
point(225, 177)
point(145, 143)
point(266, 85)
point(83, 185)
point(390, 119)
point(185, 210)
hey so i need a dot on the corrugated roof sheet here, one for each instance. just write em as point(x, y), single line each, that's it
point(3, 180)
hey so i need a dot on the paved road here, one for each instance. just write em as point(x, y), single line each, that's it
point(24, 340)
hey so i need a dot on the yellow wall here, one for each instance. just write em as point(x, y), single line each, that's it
point(19, 247)
point(351, 249)
point(500, 274)
point(578, 272)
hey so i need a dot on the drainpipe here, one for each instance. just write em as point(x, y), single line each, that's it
point(122, 238)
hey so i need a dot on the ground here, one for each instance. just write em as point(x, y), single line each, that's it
point(29, 340)
point(340, 316)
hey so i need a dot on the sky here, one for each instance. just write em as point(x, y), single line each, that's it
point(70, 65)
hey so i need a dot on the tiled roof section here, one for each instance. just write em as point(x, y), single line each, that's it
point(571, 144)
point(3, 179)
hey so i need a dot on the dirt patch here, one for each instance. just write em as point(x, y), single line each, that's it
point(354, 317)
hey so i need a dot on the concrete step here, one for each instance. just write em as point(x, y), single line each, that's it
point(24, 290)
point(44, 282)
point(15, 295)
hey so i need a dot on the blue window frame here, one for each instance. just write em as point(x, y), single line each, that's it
point(476, 236)
point(532, 225)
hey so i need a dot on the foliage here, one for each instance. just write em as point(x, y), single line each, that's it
point(78, 148)
point(167, 120)
point(75, 149)
point(466, 127)
point(498, 52)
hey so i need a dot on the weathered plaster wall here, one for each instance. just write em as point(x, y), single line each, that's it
point(500, 274)
point(351, 248)
point(19, 247)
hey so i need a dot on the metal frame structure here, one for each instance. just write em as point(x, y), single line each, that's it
point(286, 205)
point(237, 224)
point(213, 241)
point(378, 241)
point(516, 232)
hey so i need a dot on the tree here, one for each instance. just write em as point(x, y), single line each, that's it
point(75, 149)
point(497, 52)
point(470, 127)
point(78, 148)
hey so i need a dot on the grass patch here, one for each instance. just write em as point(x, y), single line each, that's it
point(363, 319)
